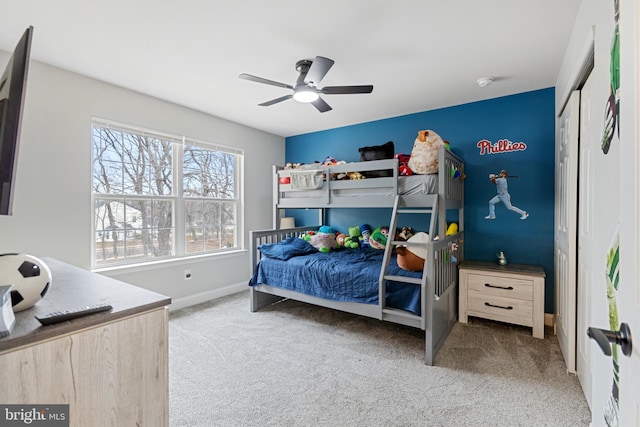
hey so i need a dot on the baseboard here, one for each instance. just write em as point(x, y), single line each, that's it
point(188, 301)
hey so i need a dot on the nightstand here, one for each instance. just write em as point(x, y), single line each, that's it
point(513, 293)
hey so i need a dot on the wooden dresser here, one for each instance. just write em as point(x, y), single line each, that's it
point(111, 368)
point(513, 293)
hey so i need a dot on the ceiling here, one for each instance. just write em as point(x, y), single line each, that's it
point(418, 54)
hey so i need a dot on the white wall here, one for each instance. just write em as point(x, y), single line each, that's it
point(52, 203)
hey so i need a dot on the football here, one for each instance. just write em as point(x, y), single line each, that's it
point(29, 277)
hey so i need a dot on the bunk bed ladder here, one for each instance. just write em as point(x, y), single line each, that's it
point(402, 316)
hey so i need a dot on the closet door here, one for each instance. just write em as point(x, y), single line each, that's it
point(589, 267)
point(566, 178)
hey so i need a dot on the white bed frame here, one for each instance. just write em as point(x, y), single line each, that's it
point(439, 283)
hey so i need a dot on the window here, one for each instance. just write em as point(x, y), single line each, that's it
point(161, 196)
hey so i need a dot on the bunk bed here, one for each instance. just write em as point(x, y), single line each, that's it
point(425, 300)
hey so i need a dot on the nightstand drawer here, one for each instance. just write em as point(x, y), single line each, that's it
point(508, 287)
point(516, 311)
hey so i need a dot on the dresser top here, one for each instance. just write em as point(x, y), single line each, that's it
point(534, 270)
point(71, 288)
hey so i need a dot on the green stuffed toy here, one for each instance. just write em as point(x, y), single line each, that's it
point(378, 239)
point(351, 241)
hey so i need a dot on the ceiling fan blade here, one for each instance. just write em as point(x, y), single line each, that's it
point(322, 106)
point(275, 101)
point(340, 90)
point(265, 81)
point(319, 68)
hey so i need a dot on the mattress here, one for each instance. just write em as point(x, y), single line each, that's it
point(418, 184)
point(347, 275)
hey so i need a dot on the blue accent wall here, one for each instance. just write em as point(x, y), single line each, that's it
point(527, 117)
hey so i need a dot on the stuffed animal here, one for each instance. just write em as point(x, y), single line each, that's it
point(326, 229)
point(340, 238)
point(324, 242)
point(378, 239)
point(329, 161)
point(424, 156)
point(355, 175)
point(405, 170)
point(412, 258)
point(365, 235)
point(307, 235)
point(403, 164)
point(452, 229)
point(352, 241)
point(405, 234)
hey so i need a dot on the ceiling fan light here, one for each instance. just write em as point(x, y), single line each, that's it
point(305, 95)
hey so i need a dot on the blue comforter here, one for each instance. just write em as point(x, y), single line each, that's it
point(347, 275)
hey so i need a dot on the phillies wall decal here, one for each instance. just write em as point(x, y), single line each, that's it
point(503, 196)
point(502, 146)
point(612, 108)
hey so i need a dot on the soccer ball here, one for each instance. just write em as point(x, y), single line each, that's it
point(29, 276)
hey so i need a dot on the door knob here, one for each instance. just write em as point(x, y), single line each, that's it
point(604, 338)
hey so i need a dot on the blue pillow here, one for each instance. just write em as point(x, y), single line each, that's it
point(290, 247)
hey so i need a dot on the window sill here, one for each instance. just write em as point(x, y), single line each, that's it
point(150, 265)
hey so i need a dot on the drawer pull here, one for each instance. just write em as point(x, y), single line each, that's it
point(508, 288)
point(498, 306)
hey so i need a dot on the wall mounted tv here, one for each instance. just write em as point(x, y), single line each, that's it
point(12, 93)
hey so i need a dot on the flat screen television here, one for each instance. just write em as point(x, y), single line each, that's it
point(12, 92)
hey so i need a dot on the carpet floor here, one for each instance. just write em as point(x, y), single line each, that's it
point(295, 364)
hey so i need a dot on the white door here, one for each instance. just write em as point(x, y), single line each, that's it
point(629, 288)
point(590, 126)
point(565, 229)
point(621, 382)
point(616, 389)
point(629, 305)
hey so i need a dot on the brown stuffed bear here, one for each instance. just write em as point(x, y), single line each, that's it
point(411, 258)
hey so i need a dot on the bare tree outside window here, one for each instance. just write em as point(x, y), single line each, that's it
point(135, 199)
point(208, 186)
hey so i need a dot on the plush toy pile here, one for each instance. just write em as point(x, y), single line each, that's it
point(423, 159)
point(410, 256)
point(327, 239)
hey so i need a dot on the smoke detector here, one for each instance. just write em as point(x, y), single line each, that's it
point(484, 81)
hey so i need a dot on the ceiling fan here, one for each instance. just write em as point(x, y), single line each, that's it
point(306, 87)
